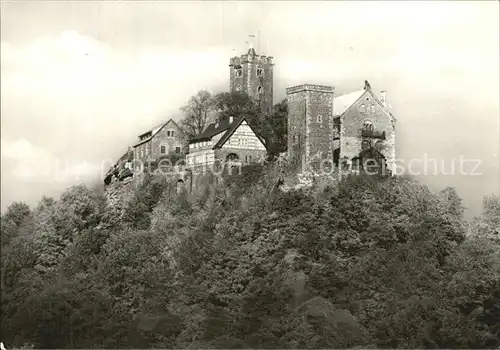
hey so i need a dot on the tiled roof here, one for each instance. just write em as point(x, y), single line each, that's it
point(229, 132)
point(154, 131)
point(212, 130)
point(343, 102)
point(223, 126)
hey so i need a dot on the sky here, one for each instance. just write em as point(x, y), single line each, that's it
point(80, 80)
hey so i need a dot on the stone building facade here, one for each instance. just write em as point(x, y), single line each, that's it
point(231, 140)
point(310, 124)
point(165, 143)
point(253, 74)
point(337, 131)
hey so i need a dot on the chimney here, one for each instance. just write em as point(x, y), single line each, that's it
point(383, 98)
point(230, 120)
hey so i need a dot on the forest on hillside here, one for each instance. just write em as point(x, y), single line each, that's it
point(370, 263)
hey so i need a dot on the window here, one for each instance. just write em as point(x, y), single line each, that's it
point(238, 72)
point(365, 145)
point(172, 133)
point(142, 152)
point(372, 109)
point(379, 145)
point(163, 149)
point(368, 125)
point(147, 151)
point(232, 157)
point(259, 90)
point(362, 108)
point(177, 150)
point(319, 119)
point(260, 72)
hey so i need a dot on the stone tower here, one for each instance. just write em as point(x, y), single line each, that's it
point(253, 74)
point(310, 126)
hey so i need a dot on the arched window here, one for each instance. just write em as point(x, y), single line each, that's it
point(372, 109)
point(362, 108)
point(319, 119)
point(365, 145)
point(238, 72)
point(260, 72)
point(259, 90)
point(180, 186)
point(233, 163)
point(368, 125)
point(232, 157)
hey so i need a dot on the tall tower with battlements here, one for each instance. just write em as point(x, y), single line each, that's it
point(310, 126)
point(253, 74)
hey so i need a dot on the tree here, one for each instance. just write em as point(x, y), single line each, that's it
point(197, 113)
point(15, 217)
point(274, 129)
point(488, 224)
point(237, 104)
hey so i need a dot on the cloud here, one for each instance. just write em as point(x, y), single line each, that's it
point(30, 163)
point(84, 94)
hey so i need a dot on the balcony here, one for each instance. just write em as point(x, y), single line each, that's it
point(372, 134)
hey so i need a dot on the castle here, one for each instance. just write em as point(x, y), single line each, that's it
point(346, 130)
point(253, 74)
point(347, 133)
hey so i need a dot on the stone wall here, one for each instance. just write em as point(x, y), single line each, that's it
point(170, 143)
point(249, 82)
point(310, 125)
point(352, 123)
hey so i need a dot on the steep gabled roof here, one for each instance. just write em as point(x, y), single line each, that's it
point(155, 131)
point(393, 118)
point(224, 126)
point(211, 130)
point(231, 131)
point(343, 102)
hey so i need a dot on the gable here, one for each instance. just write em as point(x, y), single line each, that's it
point(381, 105)
point(244, 137)
point(343, 102)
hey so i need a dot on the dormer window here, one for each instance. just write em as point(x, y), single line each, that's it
point(260, 72)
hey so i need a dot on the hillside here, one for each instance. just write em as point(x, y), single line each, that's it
point(370, 262)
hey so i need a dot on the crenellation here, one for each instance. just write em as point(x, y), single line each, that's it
point(321, 126)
